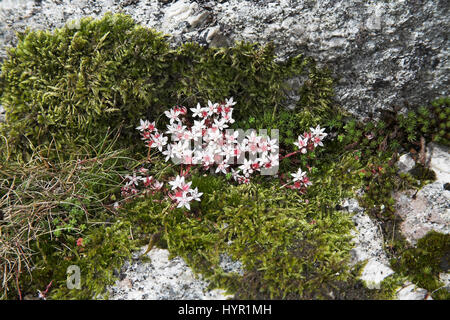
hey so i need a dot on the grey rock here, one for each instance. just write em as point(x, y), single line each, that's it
point(438, 157)
point(445, 279)
point(405, 163)
point(374, 273)
point(230, 266)
point(368, 246)
point(411, 292)
point(368, 241)
point(161, 279)
point(428, 210)
point(352, 205)
point(384, 52)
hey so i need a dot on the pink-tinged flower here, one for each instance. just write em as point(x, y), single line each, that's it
point(188, 157)
point(317, 141)
point(252, 147)
point(182, 110)
point(302, 143)
point(157, 185)
point(183, 200)
point(307, 135)
point(146, 135)
point(172, 114)
point(143, 170)
point(186, 186)
point(306, 181)
point(80, 242)
point(212, 108)
point(207, 158)
point(222, 167)
point(147, 181)
point(255, 166)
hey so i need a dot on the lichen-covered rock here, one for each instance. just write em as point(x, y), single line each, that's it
point(368, 240)
point(411, 292)
point(374, 273)
point(439, 161)
point(229, 265)
point(384, 52)
point(161, 279)
point(428, 210)
point(368, 246)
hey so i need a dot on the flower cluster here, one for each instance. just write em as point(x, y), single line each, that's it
point(204, 139)
point(183, 194)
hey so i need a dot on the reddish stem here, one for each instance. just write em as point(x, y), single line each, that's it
point(290, 154)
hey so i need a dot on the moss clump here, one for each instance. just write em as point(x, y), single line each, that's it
point(423, 263)
point(71, 85)
point(282, 242)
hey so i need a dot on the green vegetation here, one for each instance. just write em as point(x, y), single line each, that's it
point(424, 263)
point(73, 99)
point(46, 206)
point(69, 86)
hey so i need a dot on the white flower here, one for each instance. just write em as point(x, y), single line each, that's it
point(197, 112)
point(177, 183)
point(157, 185)
point(159, 141)
point(212, 108)
point(175, 128)
point(172, 115)
point(220, 124)
point(299, 175)
point(247, 167)
point(133, 179)
point(301, 142)
point(318, 132)
point(168, 152)
point(144, 125)
point(222, 167)
point(229, 102)
point(196, 195)
point(183, 201)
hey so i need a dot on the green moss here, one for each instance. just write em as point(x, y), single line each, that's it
point(71, 85)
point(423, 263)
point(270, 232)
